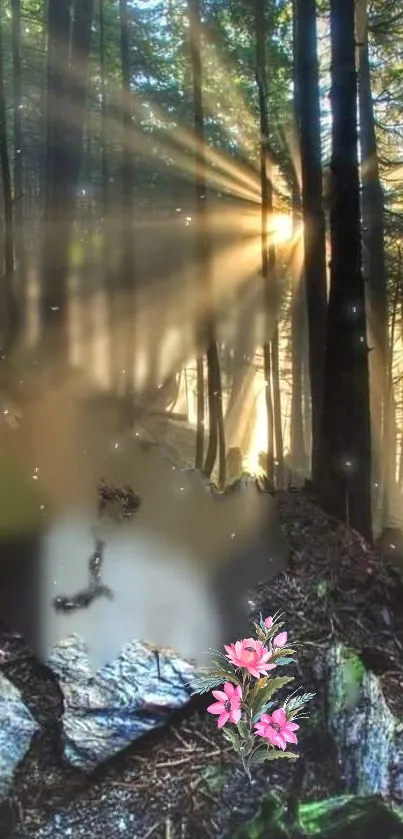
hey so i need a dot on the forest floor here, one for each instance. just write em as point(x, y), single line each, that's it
point(184, 782)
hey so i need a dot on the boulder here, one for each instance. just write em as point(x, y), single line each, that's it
point(17, 727)
point(105, 712)
point(368, 737)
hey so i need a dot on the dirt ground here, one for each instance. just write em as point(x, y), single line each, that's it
point(184, 782)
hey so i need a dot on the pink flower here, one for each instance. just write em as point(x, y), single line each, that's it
point(228, 705)
point(281, 639)
point(277, 729)
point(251, 655)
point(268, 622)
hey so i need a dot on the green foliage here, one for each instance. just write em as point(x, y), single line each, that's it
point(264, 694)
point(264, 755)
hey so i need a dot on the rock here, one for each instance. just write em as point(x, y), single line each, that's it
point(17, 727)
point(369, 738)
point(105, 712)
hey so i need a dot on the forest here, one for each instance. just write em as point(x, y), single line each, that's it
point(193, 209)
point(201, 243)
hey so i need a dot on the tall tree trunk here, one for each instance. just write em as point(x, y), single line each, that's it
point(128, 174)
point(8, 291)
point(299, 460)
point(216, 441)
point(308, 115)
point(267, 251)
point(373, 236)
point(104, 150)
point(65, 121)
point(19, 197)
point(277, 412)
point(345, 462)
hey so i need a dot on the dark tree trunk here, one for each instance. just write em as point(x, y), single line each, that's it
point(268, 254)
point(207, 338)
point(104, 150)
point(19, 197)
point(299, 460)
point(345, 463)
point(8, 291)
point(376, 272)
point(277, 412)
point(128, 173)
point(298, 456)
point(65, 121)
point(308, 117)
point(54, 269)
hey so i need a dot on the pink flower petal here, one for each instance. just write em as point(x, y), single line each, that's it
point(220, 695)
point(238, 648)
point(282, 743)
point(280, 639)
point(235, 716)
point(238, 691)
point(279, 717)
point(292, 726)
point(274, 736)
point(289, 736)
point(229, 689)
point(215, 708)
point(223, 719)
point(268, 622)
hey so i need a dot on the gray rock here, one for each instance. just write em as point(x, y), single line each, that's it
point(368, 736)
point(105, 712)
point(17, 727)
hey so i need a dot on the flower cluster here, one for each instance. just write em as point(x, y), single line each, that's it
point(245, 703)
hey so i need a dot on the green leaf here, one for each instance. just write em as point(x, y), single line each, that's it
point(284, 660)
point(281, 652)
point(202, 684)
point(262, 710)
point(243, 730)
point(262, 756)
point(210, 678)
point(232, 737)
point(273, 685)
point(296, 702)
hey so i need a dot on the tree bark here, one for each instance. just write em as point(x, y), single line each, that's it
point(216, 441)
point(314, 229)
point(19, 198)
point(66, 78)
point(345, 461)
point(11, 310)
point(267, 251)
point(376, 271)
point(128, 174)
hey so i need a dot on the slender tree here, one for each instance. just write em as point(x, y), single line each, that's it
point(307, 110)
point(128, 173)
point(8, 291)
point(345, 461)
point(376, 272)
point(18, 143)
point(216, 441)
point(66, 89)
point(267, 250)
